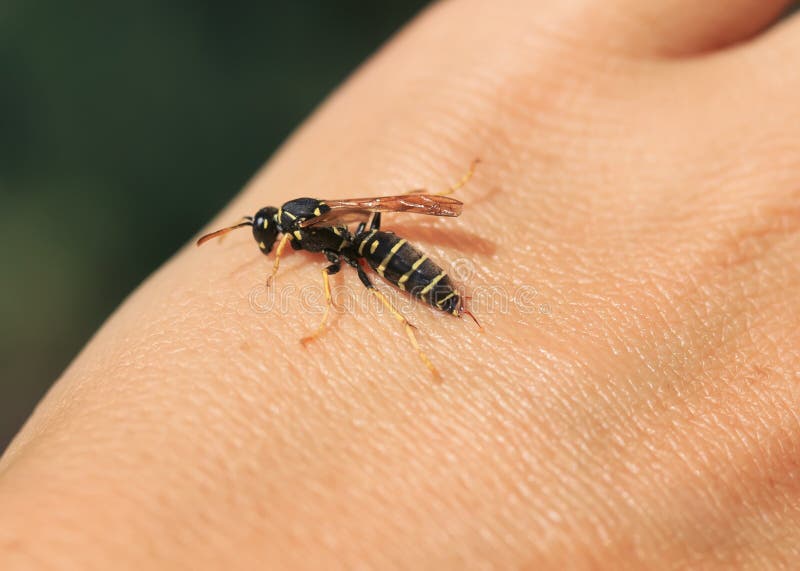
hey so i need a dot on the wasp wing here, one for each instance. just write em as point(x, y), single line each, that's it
point(360, 209)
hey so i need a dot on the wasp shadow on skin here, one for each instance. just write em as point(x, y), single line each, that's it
point(457, 239)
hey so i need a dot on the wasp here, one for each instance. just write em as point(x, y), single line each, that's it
point(323, 226)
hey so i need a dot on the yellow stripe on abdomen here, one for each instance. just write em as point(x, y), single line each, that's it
point(385, 262)
point(433, 283)
point(401, 283)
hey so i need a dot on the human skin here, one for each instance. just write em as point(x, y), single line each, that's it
point(637, 407)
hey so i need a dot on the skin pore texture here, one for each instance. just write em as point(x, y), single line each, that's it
point(631, 240)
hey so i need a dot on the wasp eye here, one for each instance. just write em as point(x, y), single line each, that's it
point(265, 228)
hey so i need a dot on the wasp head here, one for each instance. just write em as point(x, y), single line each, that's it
point(265, 228)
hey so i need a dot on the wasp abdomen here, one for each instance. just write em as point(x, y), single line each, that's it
point(401, 264)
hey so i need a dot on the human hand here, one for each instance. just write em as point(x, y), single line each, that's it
point(632, 400)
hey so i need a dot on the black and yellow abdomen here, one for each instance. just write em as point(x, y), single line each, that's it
point(401, 264)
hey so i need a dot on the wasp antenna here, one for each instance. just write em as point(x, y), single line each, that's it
point(246, 221)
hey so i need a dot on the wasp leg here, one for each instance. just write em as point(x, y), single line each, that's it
point(362, 275)
point(374, 222)
point(278, 254)
point(335, 266)
point(464, 180)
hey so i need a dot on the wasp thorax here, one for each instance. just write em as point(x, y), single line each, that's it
point(265, 228)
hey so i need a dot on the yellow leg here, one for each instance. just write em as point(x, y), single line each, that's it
point(278, 253)
point(328, 303)
point(464, 180)
point(409, 333)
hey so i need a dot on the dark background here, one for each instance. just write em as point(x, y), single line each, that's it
point(123, 128)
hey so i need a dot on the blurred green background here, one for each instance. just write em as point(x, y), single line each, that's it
point(123, 128)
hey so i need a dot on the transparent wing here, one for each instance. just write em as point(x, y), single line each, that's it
point(359, 209)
